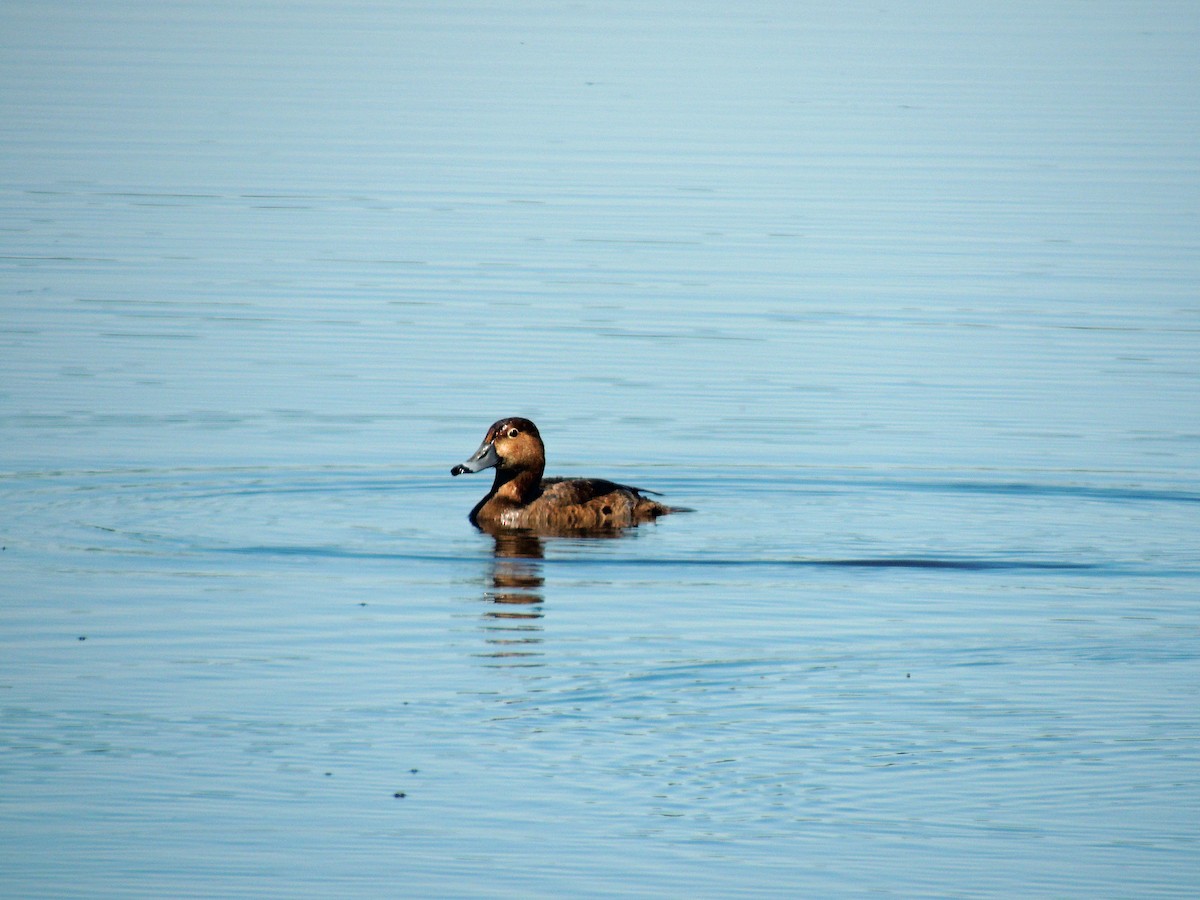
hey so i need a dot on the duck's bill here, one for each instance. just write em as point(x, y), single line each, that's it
point(485, 457)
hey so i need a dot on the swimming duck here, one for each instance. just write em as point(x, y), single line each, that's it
point(521, 498)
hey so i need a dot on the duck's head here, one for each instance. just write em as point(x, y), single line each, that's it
point(511, 444)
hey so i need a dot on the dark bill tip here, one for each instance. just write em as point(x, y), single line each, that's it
point(460, 469)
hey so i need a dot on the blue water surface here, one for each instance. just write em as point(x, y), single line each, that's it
point(905, 303)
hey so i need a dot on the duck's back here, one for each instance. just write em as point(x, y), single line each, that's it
point(589, 503)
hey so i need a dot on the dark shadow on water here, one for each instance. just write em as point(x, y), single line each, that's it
point(518, 559)
point(957, 564)
point(962, 565)
point(1086, 492)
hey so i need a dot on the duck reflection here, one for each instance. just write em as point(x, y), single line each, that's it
point(515, 593)
point(515, 597)
point(517, 568)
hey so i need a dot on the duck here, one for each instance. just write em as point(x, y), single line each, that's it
point(521, 498)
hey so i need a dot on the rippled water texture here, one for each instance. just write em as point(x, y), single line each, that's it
point(903, 302)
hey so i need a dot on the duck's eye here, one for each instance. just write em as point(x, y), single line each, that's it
point(512, 432)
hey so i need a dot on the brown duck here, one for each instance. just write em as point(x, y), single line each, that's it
point(521, 498)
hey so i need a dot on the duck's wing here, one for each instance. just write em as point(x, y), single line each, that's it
point(608, 502)
point(578, 491)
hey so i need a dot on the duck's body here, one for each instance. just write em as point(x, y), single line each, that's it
point(565, 503)
point(521, 498)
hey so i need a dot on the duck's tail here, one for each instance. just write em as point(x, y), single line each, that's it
point(647, 509)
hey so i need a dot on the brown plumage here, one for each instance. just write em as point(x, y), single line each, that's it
point(521, 498)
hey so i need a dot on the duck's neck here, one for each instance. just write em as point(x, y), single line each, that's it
point(518, 486)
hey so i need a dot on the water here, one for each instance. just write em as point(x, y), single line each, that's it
point(903, 303)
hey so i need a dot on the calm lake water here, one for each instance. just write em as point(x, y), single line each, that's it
point(904, 302)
